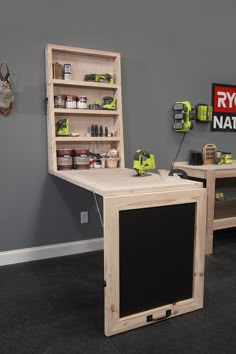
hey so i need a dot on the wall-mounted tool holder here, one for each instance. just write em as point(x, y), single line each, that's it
point(183, 116)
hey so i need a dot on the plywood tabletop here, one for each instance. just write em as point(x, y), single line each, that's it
point(118, 181)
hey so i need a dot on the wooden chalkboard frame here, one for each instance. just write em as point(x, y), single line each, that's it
point(114, 322)
point(163, 237)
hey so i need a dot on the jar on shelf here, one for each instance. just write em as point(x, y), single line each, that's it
point(60, 101)
point(82, 102)
point(71, 101)
point(57, 71)
point(81, 159)
point(64, 159)
point(112, 162)
point(227, 156)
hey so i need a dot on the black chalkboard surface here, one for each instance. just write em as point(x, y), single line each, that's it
point(156, 256)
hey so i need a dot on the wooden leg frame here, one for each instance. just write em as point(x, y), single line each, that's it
point(114, 323)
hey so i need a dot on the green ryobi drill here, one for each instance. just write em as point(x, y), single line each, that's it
point(109, 103)
point(99, 77)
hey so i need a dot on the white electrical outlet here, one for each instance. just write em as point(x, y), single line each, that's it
point(84, 217)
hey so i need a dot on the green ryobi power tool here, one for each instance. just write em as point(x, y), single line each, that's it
point(99, 77)
point(183, 115)
point(143, 161)
point(62, 127)
point(109, 103)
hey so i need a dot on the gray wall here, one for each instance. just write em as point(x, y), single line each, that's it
point(171, 50)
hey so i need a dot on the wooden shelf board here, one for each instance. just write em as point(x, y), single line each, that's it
point(81, 51)
point(224, 223)
point(228, 169)
point(91, 139)
point(86, 111)
point(225, 209)
point(84, 84)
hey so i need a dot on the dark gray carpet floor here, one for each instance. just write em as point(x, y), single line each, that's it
point(55, 306)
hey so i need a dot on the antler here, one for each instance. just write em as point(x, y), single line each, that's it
point(1, 77)
point(7, 74)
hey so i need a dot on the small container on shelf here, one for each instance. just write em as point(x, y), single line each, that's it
point(219, 196)
point(103, 162)
point(82, 102)
point(75, 134)
point(67, 71)
point(71, 101)
point(92, 161)
point(227, 157)
point(64, 159)
point(112, 153)
point(81, 159)
point(98, 163)
point(112, 162)
point(57, 71)
point(60, 101)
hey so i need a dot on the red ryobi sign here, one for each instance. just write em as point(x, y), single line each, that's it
point(224, 107)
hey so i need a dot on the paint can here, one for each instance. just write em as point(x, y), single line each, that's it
point(81, 159)
point(64, 159)
point(60, 101)
point(71, 101)
point(82, 102)
point(67, 71)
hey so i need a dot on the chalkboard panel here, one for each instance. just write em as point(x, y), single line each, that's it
point(156, 256)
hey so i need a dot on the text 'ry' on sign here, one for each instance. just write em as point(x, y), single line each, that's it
point(224, 107)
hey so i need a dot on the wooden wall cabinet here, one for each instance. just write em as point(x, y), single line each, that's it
point(84, 61)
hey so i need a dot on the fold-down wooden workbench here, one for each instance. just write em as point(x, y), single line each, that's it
point(154, 227)
point(154, 234)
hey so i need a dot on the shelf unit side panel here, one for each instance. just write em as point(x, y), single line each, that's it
point(52, 163)
point(119, 123)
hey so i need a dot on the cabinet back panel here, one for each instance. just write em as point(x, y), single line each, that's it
point(84, 64)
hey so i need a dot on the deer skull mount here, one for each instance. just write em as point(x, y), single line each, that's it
point(6, 96)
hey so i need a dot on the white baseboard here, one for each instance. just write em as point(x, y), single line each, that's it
point(50, 251)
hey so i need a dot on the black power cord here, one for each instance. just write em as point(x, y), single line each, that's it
point(181, 173)
point(181, 143)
